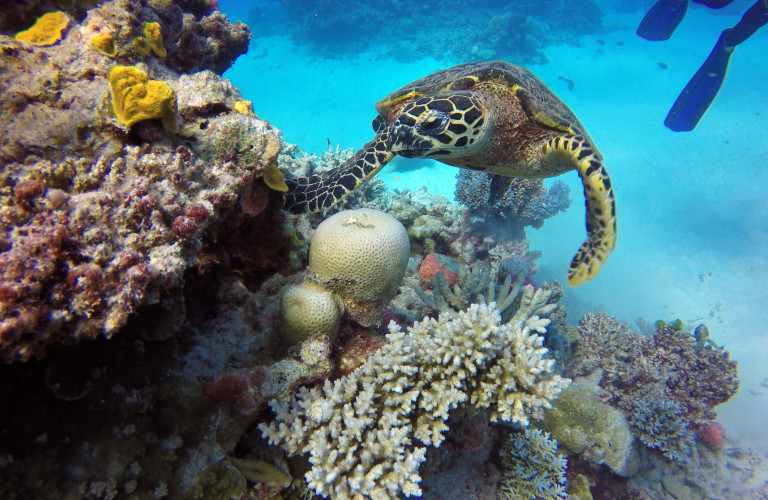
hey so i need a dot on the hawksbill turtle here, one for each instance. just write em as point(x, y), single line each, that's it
point(493, 117)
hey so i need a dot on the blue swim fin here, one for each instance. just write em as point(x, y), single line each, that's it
point(696, 97)
point(662, 19)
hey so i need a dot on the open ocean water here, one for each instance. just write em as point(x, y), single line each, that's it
point(692, 206)
point(165, 334)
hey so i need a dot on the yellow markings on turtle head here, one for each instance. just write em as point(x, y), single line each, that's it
point(547, 121)
point(385, 105)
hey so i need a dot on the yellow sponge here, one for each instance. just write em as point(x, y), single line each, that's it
point(104, 43)
point(135, 97)
point(46, 31)
point(153, 34)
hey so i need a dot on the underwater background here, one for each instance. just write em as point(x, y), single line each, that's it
point(149, 341)
point(693, 218)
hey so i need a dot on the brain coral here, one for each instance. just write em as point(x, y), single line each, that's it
point(361, 255)
point(308, 308)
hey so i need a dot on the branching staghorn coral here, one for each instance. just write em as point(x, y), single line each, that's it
point(476, 285)
point(534, 468)
point(659, 423)
point(367, 433)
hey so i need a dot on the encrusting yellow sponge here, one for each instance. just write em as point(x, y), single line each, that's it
point(135, 97)
point(46, 31)
point(153, 34)
point(104, 43)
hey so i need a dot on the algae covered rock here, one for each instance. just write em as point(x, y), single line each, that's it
point(581, 422)
point(361, 255)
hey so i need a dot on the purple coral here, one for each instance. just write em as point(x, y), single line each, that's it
point(525, 202)
point(668, 364)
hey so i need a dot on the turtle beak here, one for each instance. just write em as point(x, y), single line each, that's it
point(405, 141)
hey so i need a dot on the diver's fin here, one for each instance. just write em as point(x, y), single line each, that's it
point(499, 186)
point(600, 201)
point(662, 19)
point(312, 194)
point(696, 97)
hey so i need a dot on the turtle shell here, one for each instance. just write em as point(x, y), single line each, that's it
point(540, 104)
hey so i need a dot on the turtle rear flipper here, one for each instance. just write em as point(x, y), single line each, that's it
point(312, 194)
point(600, 201)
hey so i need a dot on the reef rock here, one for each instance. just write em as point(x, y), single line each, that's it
point(98, 218)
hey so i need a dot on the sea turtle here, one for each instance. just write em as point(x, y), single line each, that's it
point(489, 116)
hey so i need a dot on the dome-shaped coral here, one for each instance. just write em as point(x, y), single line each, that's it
point(306, 309)
point(361, 255)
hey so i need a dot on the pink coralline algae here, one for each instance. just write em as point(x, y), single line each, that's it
point(435, 263)
point(712, 434)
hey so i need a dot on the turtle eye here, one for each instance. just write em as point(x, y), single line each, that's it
point(434, 123)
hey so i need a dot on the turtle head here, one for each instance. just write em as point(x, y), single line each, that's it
point(443, 125)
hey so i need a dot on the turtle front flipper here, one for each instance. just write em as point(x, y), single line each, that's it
point(312, 194)
point(600, 201)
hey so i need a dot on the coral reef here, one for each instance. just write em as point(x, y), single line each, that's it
point(361, 256)
point(361, 431)
point(100, 217)
point(476, 284)
point(494, 30)
point(534, 469)
point(671, 364)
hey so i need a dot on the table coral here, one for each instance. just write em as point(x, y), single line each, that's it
point(46, 31)
point(366, 433)
point(135, 97)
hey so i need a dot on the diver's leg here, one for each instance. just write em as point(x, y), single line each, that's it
point(696, 97)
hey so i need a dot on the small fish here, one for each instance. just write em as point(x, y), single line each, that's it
point(329, 142)
point(663, 65)
point(570, 83)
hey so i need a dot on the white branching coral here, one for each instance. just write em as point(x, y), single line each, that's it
point(367, 433)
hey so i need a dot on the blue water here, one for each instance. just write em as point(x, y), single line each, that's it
point(693, 215)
